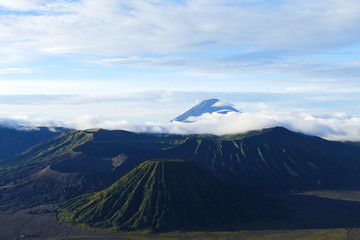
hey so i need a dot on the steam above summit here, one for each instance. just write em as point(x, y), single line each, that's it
point(206, 106)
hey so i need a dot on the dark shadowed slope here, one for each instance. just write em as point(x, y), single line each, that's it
point(275, 159)
point(165, 195)
point(43, 155)
point(80, 162)
point(14, 141)
point(74, 163)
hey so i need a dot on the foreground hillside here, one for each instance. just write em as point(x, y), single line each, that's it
point(166, 195)
point(73, 163)
point(324, 219)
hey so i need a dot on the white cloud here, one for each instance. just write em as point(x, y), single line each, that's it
point(16, 121)
point(17, 70)
point(137, 107)
point(22, 5)
point(212, 39)
point(331, 127)
point(222, 104)
point(336, 126)
point(300, 67)
point(137, 27)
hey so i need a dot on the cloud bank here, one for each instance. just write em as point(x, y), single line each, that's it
point(340, 126)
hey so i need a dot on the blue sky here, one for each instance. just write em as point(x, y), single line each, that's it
point(139, 63)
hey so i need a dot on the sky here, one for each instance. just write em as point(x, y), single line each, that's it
point(137, 64)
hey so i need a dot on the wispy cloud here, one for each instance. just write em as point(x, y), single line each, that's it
point(18, 70)
point(299, 67)
point(293, 39)
point(141, 26)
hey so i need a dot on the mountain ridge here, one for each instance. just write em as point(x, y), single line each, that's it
point(16, 140)
point(274, 159)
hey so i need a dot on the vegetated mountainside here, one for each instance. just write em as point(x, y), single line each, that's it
point(275, 159)
point(29, 180)
point(42, 155)
point(165, 195)
point(206, 106)
point(74, 163)
point(79, 162)
point(14, 141)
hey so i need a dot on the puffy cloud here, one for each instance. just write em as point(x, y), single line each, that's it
point(339, 126)
point(86, 122)
point(333, 127)
point(222, 104)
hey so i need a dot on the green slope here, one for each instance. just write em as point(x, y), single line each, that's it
point(80, 162)
point(29, 180)
point(42, 155)
point(85, 151)
point(275, 159)
point(74, 163)
point(164, 195)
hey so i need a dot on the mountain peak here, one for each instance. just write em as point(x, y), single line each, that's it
point(165, 195)
point(206, 106)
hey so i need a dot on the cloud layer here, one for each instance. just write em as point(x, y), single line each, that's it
point(133, 27)
point(338, 126)
point(144, 27)
point(333, 127)
point(298, 45)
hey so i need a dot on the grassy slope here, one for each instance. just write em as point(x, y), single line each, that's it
point(275, 159)
point(20, 186)
point(72, 164)
point(271, 158)
point(42, 155)
point(164, 195)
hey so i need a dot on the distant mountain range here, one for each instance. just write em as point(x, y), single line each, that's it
point(120, 180)
point(206, 106)
point(78, 162)
point(274, 159)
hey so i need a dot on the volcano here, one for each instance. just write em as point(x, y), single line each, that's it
point(165, 195)
point(206, 106)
